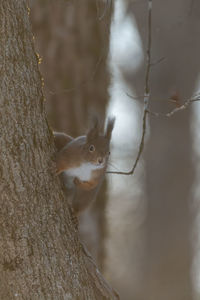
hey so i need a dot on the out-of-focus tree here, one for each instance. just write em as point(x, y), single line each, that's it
point(168, 153)
point(40, 253)
point(72, 38)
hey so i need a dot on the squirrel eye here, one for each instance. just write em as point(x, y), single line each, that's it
point(92, 148)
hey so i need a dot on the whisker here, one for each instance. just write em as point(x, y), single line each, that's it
point(113, 166)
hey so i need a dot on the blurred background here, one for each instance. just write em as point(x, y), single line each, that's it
point(143, 230)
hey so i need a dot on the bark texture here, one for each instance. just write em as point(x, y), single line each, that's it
point(40, 254)
point(72, 37)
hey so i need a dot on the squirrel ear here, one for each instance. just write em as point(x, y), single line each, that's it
point(109, 128)
point(94, 131)
point(61, 139)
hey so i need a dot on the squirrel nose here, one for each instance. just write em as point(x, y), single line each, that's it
point(100, 160)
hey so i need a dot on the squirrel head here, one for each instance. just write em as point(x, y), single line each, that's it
point(96, 148)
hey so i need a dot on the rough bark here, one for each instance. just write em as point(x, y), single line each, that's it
point(40, 254)
point(73, 41)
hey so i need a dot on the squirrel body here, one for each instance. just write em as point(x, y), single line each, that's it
point(83, 161)
point(85, 172)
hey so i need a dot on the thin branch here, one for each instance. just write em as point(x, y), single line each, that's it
point(141, 147)
point(153, 64)
point(146, 97)
point(176, 109)
point(184, 106)
point(147, 87)
point(133, 97)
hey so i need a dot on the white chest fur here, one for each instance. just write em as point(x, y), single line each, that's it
point(83, 172)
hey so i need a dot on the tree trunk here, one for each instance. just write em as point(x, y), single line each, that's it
point(40, 254)
point(168, 153)
point(73, 41)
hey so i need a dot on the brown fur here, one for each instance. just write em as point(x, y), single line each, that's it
point(61, 139)
point(77, 151)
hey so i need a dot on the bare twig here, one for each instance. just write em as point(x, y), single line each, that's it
point(156, 114)
point(188, 102)
point(141, 146)
point(176, 109)
point(153, 64)
point(146, 97)
point(134, 97)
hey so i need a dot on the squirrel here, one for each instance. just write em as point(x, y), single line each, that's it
point(82, 161)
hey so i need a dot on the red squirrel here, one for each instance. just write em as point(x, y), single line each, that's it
point(83, 162)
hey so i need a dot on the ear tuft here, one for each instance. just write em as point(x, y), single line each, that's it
point(94, 131)
point(109, 127)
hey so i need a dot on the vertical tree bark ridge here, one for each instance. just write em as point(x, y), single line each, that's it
point(40, 254)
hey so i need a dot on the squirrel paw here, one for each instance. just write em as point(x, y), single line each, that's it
point(85, 185)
